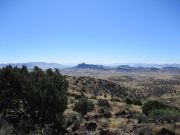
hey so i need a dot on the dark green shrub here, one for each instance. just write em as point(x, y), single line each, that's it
point(137, 102)
point(103, 102)
point(158, 111)
point(83, 106)
point(128, 101)
point(168, 115)
point(133, 101)
point(36, 97)
point(151, 105)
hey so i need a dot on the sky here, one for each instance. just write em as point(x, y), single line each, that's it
point(91, 31)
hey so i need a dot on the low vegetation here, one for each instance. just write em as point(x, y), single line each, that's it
point(133, 101)
point(83, 106)
point(161, 112)
point(45, 102)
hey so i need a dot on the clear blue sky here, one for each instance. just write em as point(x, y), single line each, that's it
point(92, 31)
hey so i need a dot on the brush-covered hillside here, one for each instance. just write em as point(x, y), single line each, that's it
point(44, 102)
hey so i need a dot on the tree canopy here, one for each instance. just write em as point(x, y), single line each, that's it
point(37, 96)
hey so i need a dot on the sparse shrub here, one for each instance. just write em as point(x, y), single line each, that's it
point(103, 102)
point(83, 106)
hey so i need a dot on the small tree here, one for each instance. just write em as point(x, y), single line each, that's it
point(83, 106)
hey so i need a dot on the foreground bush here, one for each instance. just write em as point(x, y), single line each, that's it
point(151, 105)
point(168, 115)
point(35, 97)
point(83, 106)
point(158, 111)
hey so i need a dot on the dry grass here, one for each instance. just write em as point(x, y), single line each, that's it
point(135, 109)
point(117, 122)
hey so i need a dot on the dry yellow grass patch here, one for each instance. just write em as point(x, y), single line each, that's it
point(116, 122)
point(135, 109)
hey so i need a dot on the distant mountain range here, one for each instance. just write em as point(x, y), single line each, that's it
point(127, 68)
point(147, 65)
point(140, 68)
point(122, 68)
point(157, 65)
